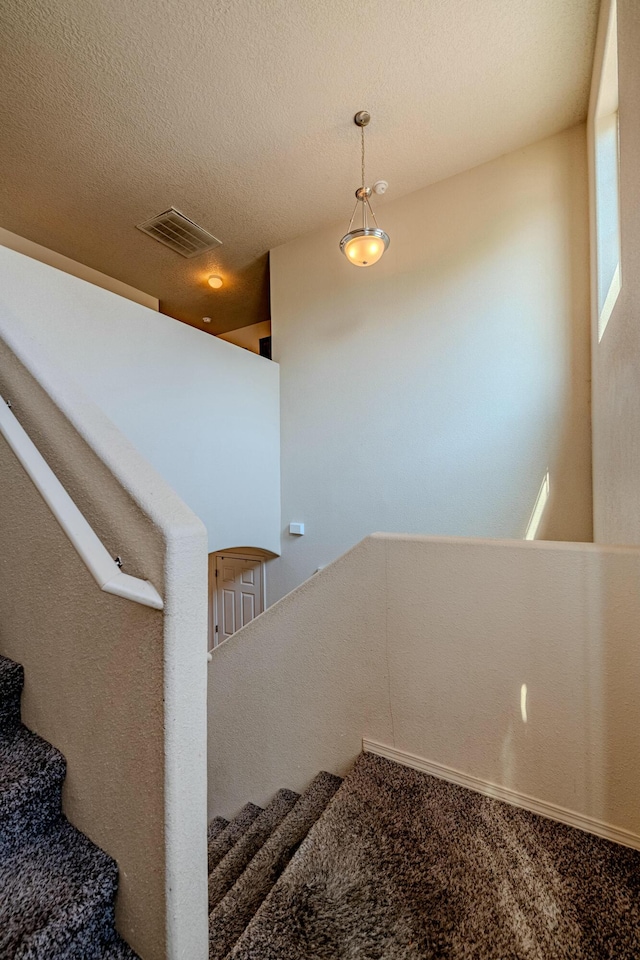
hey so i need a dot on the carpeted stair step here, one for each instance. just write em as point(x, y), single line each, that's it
point(217, 825)
point(231, 916)
point(96, 938)
point(57, 889)
point(11, 684)
point(223, 877)
point(31, 777)
point(220, 845)
point(404, 866)
point(56, 897)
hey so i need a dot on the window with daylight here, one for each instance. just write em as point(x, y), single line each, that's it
point(607, 180)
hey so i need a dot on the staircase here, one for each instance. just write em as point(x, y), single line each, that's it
point(393, 864)
point(248, 855)
point(57, 889)
point(387, 864)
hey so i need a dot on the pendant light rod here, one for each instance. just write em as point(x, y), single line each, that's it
point(353, 216)
point(362, 120)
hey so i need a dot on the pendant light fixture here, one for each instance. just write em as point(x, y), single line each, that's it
point(365, 245)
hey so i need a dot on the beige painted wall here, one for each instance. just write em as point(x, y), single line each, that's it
point(248, 337)
point(120, 689)
point(37, 252)
point(432, 392)
point(423, 644)
point(616, 359)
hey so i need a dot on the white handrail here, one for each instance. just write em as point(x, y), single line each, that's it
point(101, 565)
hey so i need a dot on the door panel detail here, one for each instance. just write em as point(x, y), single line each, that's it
point(238, 593)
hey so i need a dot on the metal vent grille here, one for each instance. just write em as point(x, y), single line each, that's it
point(179, 233)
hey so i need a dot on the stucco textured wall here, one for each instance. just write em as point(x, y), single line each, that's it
point(120, 689)
point(431, 392)
point(616, 359)
point(424, 644)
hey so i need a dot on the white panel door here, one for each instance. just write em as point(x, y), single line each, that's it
point(238, 593)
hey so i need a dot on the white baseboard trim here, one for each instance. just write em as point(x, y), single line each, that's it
point(550, 810)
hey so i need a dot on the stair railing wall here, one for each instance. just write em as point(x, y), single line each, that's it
point(103, 568)
point(509, 664)
point(118, 687)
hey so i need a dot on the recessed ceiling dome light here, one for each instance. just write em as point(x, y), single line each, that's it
point(215, 282)
point(365, 245)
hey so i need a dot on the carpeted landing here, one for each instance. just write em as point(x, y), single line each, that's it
point(398, 865)
point(57, 889)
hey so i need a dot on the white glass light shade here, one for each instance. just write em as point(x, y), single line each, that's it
point(364, 247)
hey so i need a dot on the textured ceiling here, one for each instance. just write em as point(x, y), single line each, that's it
point(239, 113)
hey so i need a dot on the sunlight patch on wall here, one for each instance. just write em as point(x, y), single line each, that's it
point(609, 304)
point(538, 509)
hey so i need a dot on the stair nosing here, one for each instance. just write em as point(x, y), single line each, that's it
point(235, 829)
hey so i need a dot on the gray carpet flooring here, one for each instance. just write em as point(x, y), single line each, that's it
point(57, 889)
point(231, 867)
point(402, 865)
point(217, 825)
point(220, 845)
point(233, 912)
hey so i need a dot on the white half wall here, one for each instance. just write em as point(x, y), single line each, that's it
point(432, 392)
point(425, 645)
point(202, 412)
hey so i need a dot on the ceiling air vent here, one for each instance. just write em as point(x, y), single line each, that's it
point(179, 233)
